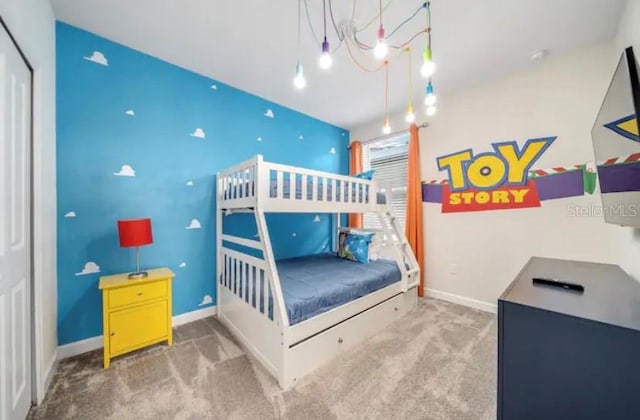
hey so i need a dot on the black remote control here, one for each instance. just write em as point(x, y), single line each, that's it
point(557, 283)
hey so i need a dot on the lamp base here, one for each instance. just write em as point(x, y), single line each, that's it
point(138, 275)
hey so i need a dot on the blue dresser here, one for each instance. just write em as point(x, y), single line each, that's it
point(567, 354)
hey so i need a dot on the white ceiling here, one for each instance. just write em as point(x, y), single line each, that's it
point(251, 44)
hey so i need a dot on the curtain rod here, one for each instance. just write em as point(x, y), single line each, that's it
point(388, 136)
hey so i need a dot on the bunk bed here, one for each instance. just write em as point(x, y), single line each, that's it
point(295, 315)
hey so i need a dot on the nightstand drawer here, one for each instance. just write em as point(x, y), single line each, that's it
point(137, 293)
point(132, 328)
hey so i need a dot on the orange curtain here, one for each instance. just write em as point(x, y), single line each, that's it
point(355, 167)
point(413, 229)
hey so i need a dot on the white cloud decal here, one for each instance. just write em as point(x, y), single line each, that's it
point(214, 87)
point(130, 112)
point(206, 300)
point(199, 133)
point(294, 234)
point(98, 58)
point(89, 268)
point(301, 137)
point(195, 224)
point(70, 214)
point(189, 184)
point(332, 150)
point(269, 114)
point(259, 139)
point(182, 264)
point(316, 219)
point(126, 170)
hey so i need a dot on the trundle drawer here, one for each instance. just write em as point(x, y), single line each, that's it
point(316, 351)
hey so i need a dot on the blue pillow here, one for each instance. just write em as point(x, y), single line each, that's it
point(366, 175)
point(355, 246)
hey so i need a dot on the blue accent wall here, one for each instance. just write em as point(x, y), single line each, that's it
point(121, 113)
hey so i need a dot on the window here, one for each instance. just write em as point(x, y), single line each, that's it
point(389, 159)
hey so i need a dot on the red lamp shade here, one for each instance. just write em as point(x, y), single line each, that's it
point(135, 232)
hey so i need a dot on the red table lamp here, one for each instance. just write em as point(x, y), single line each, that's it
point(135, 232)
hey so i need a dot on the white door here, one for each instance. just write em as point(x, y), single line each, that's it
point(15, 235)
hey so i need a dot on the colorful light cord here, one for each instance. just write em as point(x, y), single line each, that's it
point(386, 88)
point(357, 63)
point(373, 19)
point(410, 90)
point(299, 30)
point(313, 32)
point(409, 19)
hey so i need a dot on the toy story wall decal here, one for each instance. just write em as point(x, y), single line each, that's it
point(504, 179)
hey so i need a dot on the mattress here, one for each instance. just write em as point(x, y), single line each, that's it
point(315, 284)
point(286, 193)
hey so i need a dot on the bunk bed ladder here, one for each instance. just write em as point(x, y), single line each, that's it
point(262, 179)
point(401, 246)
point(414, 269)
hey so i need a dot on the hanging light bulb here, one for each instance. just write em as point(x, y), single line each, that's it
point(299, 81)
point(428, 66)
point(386, 128)
point(381, 49)
point(431, 98)
point(431, 111)
point(325, 59)
point(410, 117)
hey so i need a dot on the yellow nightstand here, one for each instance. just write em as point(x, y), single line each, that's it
point(136, 313)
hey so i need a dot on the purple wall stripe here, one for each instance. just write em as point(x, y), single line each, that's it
point(562, 185)
point(432, 193)
point(619, 178)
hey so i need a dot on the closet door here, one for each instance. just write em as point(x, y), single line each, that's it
point(15, 232)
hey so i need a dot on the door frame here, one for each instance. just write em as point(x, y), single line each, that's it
point(32, 298)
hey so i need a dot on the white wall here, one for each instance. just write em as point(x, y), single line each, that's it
point(472, 257)
point(629, 28)
point(373, 129)
point(31, 22)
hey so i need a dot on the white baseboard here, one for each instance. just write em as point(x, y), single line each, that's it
point(462, 300)
point(49, 372)
point(79, 347)
point(194, 315)
point(94, 343)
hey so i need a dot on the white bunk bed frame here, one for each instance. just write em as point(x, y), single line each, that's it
point(287, 351)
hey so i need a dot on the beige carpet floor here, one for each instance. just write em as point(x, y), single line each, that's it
point(439, 362)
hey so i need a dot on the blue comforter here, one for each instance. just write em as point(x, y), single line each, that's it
point(317, 283)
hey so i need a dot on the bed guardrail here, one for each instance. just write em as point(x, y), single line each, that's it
point(284, 188)
point(237, 185)
point(293, 183)
point(247, 278)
